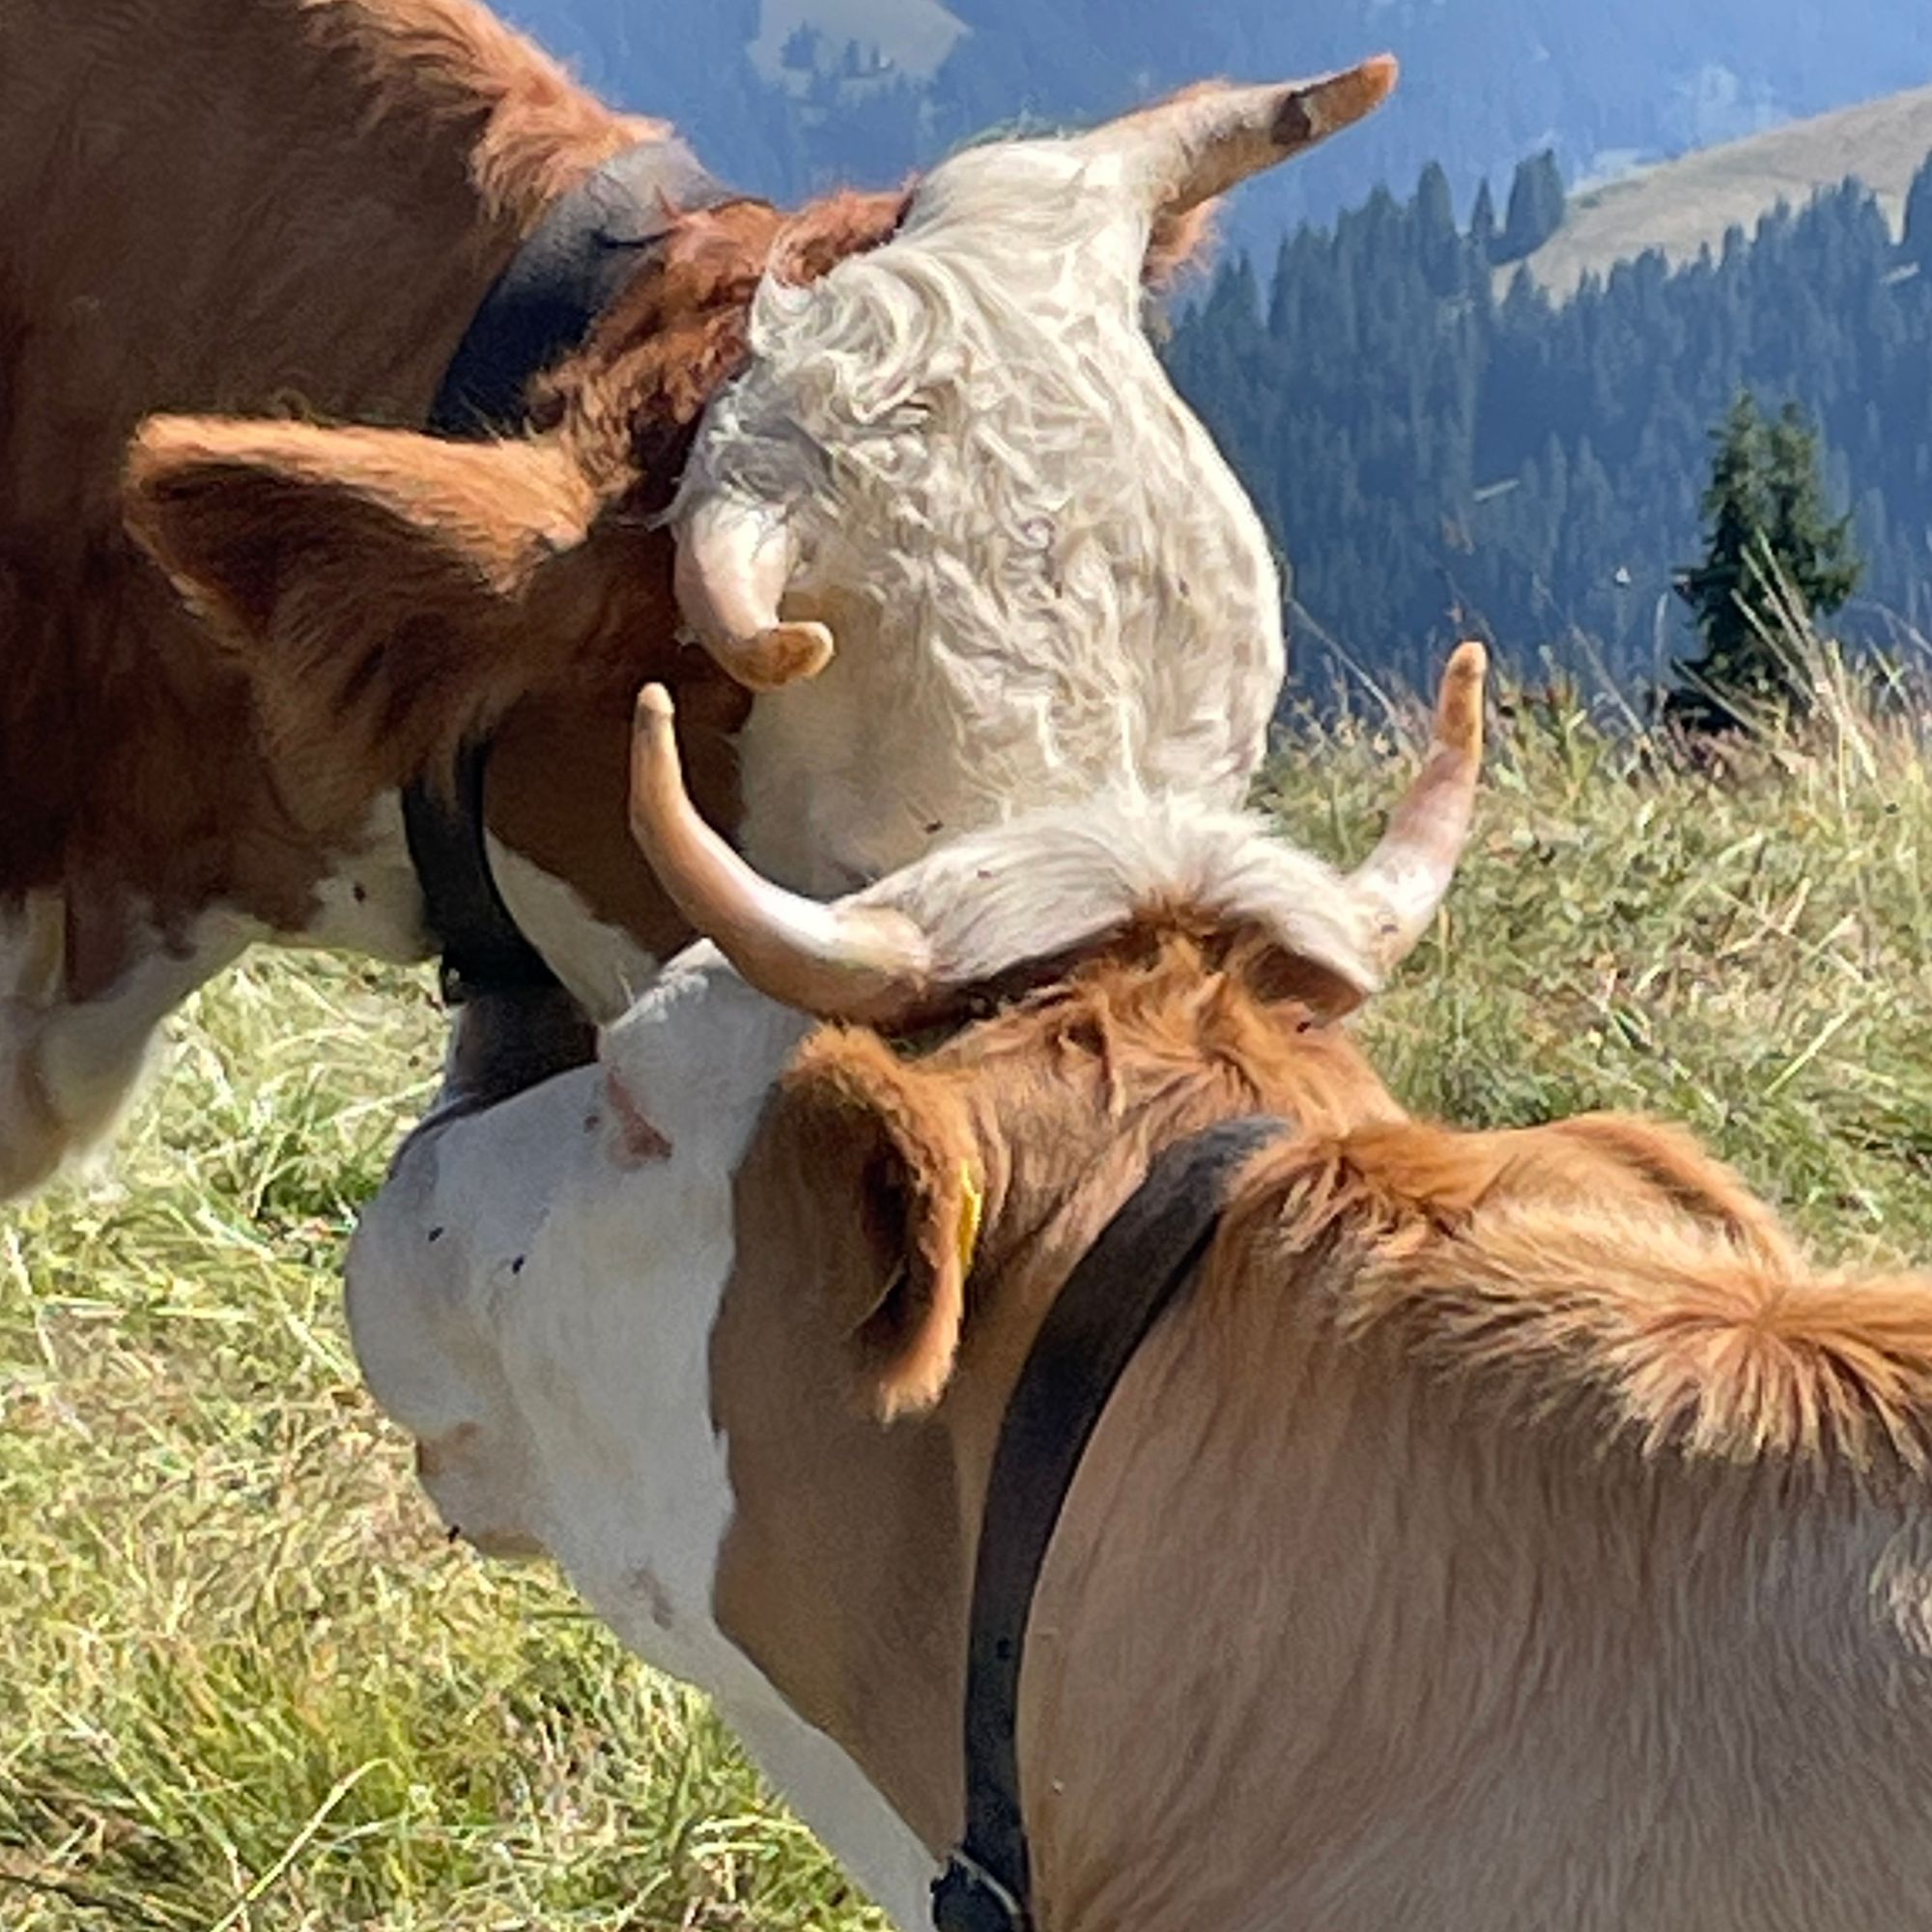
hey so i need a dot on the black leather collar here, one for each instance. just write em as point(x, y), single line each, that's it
point(1144, 1259)
point(588, 247)
point(574, 262)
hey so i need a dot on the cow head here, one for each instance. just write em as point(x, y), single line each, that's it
point(904, 470)
point(1208, 981)
point(535, 1293)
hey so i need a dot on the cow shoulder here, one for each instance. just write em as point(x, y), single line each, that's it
point(1603, 1274)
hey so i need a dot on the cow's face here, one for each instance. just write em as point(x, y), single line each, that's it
point(961, 459)
point(930, 501)
point(531, 1291)
point(532, 1297)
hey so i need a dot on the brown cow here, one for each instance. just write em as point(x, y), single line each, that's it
point(927, 424)
point(1505, 1531)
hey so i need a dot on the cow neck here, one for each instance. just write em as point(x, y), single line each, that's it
point(588, 247)
point(1142, 1261)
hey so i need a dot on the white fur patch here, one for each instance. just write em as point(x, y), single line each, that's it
point(68, 1070)
point(371, 903)
point(601, 965)
point(1064, 876)
point(536, 1309)
point(1041, 573)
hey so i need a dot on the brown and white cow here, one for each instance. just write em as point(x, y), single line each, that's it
point(922, 432)
point(1507, 1530)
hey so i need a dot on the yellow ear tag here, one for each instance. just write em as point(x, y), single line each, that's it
point(972, 1208)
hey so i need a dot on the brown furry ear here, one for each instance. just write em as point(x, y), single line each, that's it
point(893, 1142)
point(376, 581)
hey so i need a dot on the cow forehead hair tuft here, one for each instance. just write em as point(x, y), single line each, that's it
point(1059, 878)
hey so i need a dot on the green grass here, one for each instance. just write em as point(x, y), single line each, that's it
point(249, 1687)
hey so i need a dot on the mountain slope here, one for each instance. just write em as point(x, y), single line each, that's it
point(792, 95)
point(1684, 205)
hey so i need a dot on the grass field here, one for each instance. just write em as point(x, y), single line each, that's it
point(249, 1688)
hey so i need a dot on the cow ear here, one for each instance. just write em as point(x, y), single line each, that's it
point(377, 581)
point(892, 1141)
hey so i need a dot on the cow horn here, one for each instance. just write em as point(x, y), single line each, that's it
point(1406, 877)
point(1203, 142)
point(840, 962)
point(734, 559)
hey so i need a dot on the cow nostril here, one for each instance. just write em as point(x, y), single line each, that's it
point(455, 1533)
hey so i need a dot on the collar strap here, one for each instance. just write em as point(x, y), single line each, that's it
point(572, 266)
point(484, 949)
point(1144, 1259)
point(586, 248)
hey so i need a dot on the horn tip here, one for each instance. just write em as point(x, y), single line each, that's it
point(1310, 110)
point(654, 722)
point(1459, 707)
point(654, 760)
point(1375, 80)
point(783, 654)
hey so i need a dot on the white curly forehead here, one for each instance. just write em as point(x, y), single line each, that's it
point(1041, 571)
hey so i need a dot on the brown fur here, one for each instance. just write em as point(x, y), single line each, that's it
point(291, 208)
point(1586, 1304)
point(1600, 1254)
point(1496, 1504)
point(908, 1152)
point(222, 205)
point(531, 127)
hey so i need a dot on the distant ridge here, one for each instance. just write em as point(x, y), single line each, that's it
point(1680, 205)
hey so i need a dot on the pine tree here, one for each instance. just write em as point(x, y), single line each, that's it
point(1918, 218)
point(1438, 243)
point(1769, 537)
point(1536, 207)
point(1812, 547)
point(1483, 224)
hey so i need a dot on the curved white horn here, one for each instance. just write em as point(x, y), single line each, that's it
point(1406, 877)
point(839, 961)
point(1203, 142)
point(734, 559)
